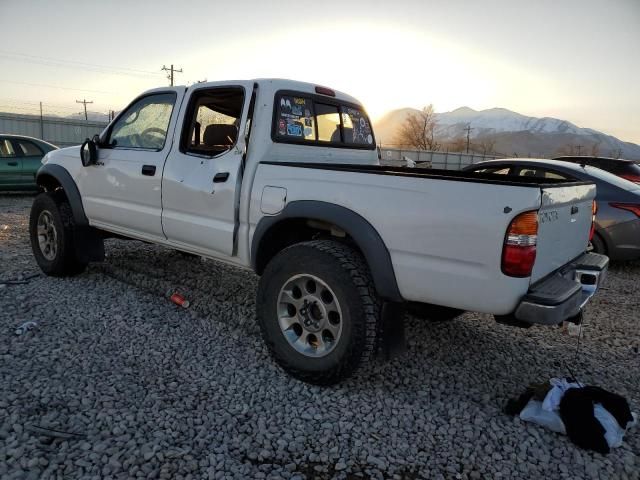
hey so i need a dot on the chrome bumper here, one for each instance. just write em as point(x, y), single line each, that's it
point(563, 294)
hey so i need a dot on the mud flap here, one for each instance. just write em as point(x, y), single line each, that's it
point(89, 244)
point(392, 337)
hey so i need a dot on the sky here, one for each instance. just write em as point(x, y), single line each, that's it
point(571, 59)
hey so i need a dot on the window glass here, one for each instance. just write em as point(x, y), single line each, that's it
point(356, 127)
point(6, 149)
point(215, 120)
point(555, 175)
point(328, 123)
point(145, 123)
point(29, 149)
point(295, 118)
point(528, 172)
point(495, 170)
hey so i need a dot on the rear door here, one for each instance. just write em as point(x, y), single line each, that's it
point(203, 174)
point(10, 165)
point(31, 159)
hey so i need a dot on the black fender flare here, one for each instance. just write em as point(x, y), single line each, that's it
point(70, 188)
point(357, 227)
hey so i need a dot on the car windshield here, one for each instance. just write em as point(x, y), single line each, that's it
point(610, 178)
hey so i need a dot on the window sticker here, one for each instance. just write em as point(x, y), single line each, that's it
point(294, 129)
point(360, 128)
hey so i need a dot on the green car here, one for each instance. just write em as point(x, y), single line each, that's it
point(20, 159)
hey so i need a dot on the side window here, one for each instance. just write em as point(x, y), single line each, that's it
point(328, 120)
point(29, 149)
point(144, 124)
point(212, 121)
point(6, 149)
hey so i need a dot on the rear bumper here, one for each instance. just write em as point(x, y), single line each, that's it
point(563, 294)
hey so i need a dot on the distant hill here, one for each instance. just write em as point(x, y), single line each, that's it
point(512, 133)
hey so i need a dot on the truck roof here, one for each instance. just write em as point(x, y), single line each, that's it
point(270, 85)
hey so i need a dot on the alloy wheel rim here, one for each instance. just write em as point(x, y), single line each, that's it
point(47, 235)
point(309, 315)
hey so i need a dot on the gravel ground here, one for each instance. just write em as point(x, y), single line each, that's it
point(156, 391)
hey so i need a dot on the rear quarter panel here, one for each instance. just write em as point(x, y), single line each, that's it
point(445, 237)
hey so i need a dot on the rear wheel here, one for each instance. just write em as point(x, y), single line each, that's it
point(597, 245)
point(318, 311)
point(51, 234)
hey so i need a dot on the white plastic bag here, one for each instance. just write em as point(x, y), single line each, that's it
point(534, 413)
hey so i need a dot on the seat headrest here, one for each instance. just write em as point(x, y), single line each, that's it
point(219, 134)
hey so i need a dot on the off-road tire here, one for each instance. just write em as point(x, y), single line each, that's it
point(344, 270)
point(65, 262)
point(433, 313)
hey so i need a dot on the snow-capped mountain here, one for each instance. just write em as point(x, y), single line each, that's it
point(512, 133)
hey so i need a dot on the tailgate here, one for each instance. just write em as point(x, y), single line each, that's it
point(564, 223)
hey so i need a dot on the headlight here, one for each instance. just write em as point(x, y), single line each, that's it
point(45, 159)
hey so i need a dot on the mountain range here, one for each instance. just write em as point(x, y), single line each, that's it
point(502, 131)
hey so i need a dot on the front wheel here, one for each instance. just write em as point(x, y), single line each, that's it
point(318, 311)
point(51, 233)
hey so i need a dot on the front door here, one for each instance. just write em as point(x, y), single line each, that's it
point(122, 192)
point(10, 165)
point(201, 181)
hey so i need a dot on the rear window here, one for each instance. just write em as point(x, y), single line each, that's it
point(314, 120)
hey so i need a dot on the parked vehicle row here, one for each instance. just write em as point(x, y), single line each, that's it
point(283, 177)
point(617, 225)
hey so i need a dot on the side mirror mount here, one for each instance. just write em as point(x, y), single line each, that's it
point(89, 152)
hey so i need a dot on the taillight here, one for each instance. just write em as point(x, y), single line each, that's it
point(631, 177)
point(632, 207)
point(594, 210)
point(519, 250)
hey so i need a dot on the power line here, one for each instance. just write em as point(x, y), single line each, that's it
point(55, 86)
point(74, 64)
point(172, 70)
point(84, 103)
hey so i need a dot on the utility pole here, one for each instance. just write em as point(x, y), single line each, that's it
point(84, 102)
point(468, 130)
point(41, 123)
point(579, 148)
point(171, 71)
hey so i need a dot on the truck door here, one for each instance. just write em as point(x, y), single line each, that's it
point(122, 192)
point(202, 176)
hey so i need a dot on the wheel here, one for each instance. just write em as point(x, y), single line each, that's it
point(597, 245)
point(318, 311)
point(433, 313)
point(51, 233)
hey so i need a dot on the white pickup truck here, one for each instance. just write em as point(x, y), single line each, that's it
point(283, 177)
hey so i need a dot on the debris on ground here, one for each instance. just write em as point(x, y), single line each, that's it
point(25, 327)
point(179, 300)
point(593, 418)
point(50, 432)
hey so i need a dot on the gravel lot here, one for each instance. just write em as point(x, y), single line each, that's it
point(157, 391)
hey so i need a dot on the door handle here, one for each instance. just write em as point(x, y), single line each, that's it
point(149, 170)
point(221, 177)
point(12, 164)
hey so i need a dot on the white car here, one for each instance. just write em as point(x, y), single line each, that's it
point(283, 178)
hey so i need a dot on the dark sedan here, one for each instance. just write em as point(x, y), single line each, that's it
point(627, 169)
point(618, 219)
